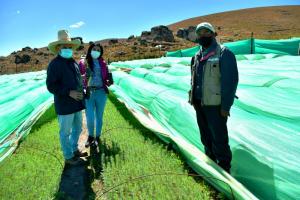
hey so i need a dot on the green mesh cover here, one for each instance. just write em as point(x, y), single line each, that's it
point(263, 128)
point(23, 97)
point(254, 46)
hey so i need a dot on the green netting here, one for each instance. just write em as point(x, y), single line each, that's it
point(264, 127)
point(23, 97)
point(139, 72)
point(250, 46)
point(284, 47)
point(240, 47)
point(256, 56)
point(159, 69)
point(189, 52)
point(174, 53)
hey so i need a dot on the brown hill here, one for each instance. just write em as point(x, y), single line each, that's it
point(276, 22)
point(268, 22)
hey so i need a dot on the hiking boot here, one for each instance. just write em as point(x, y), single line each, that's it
point(78, 153)
point(75, 161)
point(90, 141)
point(98, 141)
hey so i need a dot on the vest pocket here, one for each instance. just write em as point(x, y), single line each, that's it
point(212, 95)
point(214, 69)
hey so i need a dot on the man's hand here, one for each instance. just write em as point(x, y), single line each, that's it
point(224, 113)
point(76, 95)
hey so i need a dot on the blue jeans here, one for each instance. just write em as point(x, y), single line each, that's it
point(95, 107)
point(70, 127)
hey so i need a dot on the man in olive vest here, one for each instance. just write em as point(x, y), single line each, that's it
point(214, 79)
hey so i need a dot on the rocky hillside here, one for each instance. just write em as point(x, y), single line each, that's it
point(276, 22)
point(150, 44)
point(268, 23)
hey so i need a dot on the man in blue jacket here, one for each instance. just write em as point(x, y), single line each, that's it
point(214, 79)
point(64, 81)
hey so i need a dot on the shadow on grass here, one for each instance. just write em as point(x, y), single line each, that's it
point(171, 146)
point(48, 116)
point(100, 156)
point(74, 183)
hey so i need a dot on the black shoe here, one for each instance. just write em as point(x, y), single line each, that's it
point(98, 141)
point(90, 141)
point(78, 153)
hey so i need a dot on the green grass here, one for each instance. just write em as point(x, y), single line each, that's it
point(133, 164)
point(33, 171)
point(131, 152)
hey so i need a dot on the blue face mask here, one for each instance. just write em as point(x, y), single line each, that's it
point(66, 53)
point(95, 54)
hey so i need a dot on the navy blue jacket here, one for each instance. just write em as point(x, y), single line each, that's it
point(229, 78)
point(63, 75)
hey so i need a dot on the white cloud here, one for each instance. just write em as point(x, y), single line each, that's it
point(77, 25)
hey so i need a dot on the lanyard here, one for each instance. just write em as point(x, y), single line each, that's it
point(207, 56)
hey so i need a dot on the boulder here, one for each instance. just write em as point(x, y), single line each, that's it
point(130, 37)
point(146, 35)
point(181, 33)
point(22, 59)
point(113, 41)
point(187, 33)
point(158, 33)
point(162, 33)
point(26, 49)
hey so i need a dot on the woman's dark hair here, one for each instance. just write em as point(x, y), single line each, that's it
point(89, 56)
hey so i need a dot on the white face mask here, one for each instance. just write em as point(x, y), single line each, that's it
point(95, 54)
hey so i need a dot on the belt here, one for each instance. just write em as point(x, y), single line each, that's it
point(95, 88)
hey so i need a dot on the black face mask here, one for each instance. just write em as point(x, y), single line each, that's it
point(205, 41)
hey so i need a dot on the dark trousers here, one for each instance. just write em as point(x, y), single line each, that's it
point(214, 134)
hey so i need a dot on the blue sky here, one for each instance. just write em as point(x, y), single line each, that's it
point(35, 23)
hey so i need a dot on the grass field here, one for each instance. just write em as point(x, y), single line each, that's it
point(133, 164)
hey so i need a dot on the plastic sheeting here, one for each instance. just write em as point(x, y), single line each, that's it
point(250, 46)
point(264, 127)
point(23, 97)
